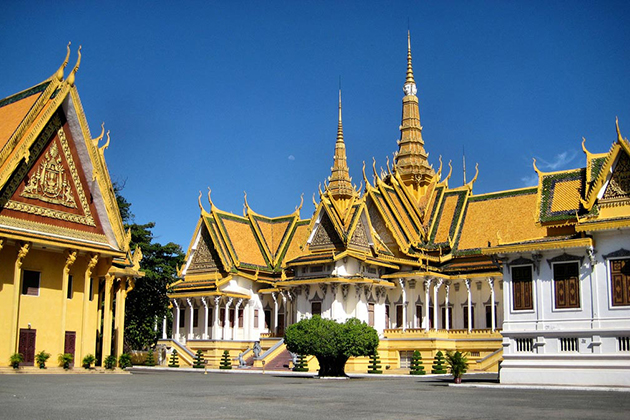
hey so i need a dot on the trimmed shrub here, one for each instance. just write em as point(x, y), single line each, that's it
point(375, 364)
point(150, 360)
point(300, 365)
point(199, 362)
point(416, 364)
point(438, 363)
point(174, 362)
point(65, 359)
point(225, 360)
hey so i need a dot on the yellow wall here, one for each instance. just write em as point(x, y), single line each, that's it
point(43, 312)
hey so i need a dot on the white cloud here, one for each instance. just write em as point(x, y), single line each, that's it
point(559, 162)
point(291, 157)
point(530, 181)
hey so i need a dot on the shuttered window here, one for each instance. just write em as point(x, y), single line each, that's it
point(620, 281)
point(522, 288)
point(566, 285)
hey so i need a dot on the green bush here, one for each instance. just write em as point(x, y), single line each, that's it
point(225, 361)
point(330, 342)
point(88, 360)
point(457, 364)
point(41, 359)
point(416, 367)
point(150, 361)
point(374, 366)
point(124, 361)
point(15, 360)
point(174, 362)
point(110, 362)
point(199, 362)
point(438, 363)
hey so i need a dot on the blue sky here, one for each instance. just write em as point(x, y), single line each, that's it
point(242, 95)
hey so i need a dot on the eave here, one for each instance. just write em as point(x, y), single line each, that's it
point(538, 246)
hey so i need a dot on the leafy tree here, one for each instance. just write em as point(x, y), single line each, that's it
point(147, 303)
point(457, 364)
point(330, 342)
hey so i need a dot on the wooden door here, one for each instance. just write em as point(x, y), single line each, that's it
point(26, 346)
point(280, 331)
point(69, 344)
point(399, 316)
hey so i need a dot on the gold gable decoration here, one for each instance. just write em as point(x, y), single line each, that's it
point(618, 189)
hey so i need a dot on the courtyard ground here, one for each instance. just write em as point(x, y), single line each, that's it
point(168, 395)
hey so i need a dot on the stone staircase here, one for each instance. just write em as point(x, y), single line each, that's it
point(280, 362)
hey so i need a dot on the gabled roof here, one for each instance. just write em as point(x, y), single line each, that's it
point(43, 131)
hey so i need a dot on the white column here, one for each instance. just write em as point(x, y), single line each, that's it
point(204, 302)
point(191, 316)
point(467, 282)
point(274, 296)
point(164, 328)
point(447, 287)
point(404, 304)
point(492, 315)
point(226, 320)
point(427, 287)
point(436, 289)
point(176, 316)
point(215, 327)
point(235, 326)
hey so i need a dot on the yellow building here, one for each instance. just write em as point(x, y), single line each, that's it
point(65, 263)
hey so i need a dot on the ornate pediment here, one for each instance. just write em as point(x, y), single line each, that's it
point(618, 188)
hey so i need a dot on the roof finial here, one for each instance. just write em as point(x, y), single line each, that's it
point(210, 199)
point(619, 138)
point(410, 83)
point(464, 162)
point(339, 124)
point(59, 74)
point(71, 77)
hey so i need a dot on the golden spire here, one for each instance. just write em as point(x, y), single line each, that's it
point(340, 183)
point(411, 160)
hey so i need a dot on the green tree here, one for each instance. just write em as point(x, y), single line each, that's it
point(147, 303)
point(416, 364)
point(438, 364)
point(225, 361)
point(330, 342)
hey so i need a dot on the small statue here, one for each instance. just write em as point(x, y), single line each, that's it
point(241, 360)
point(257, 349)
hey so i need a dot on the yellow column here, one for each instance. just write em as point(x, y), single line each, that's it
point(85, 315)
point(71, 258)
point(107, 316)
point(125, 287)
point(17, 291)
point(117, 326)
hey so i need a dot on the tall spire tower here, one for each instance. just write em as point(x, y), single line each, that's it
point(411, 160)
point(340, 183)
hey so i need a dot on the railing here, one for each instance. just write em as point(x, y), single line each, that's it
point(271, 349)
point(442, 333)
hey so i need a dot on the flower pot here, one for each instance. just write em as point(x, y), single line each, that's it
point(458, 380)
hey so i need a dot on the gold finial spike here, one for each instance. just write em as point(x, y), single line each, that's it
point(72, 76)
point(314, 202)
point(619, 138)
point(98, 139)
point(106, 145)
point(409, 80)
point(364, 176)
point(59, 74)
point(199, 202)
point(298, 208)
point(536, 168)
point(339, 124)
point(210, 199)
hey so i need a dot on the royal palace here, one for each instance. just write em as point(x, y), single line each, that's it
point(533, 280)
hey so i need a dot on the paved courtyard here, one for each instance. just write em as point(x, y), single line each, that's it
point(183, 395)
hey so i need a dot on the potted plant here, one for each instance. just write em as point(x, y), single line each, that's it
point(124, 361)
point(15, 360)
point(457, 364)
point(65, 359)
point(41, 359)
point(88, 360)
point(110, 362)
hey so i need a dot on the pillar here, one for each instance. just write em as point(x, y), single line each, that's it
point(427, 287)
point(404, 303)
point(17, 291)
point(126, 285)
point(492, 308)
point(436, 288)
point(235, 326)
point(191, 318)
point(467, 281)
point(204, 302)
point(176, 315)
point(215, 326)
point(274, 295)
point(71, 257)
point(107, 316)
point(226, 320)
point(82, 351)
point(446, 308)
point(164, 336)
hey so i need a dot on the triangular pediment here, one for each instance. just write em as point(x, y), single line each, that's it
point(360, 237)
point(325, 236)
point(205, 258)
point(617, 189)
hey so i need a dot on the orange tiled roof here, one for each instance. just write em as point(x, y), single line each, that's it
point(14, 109)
